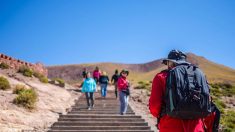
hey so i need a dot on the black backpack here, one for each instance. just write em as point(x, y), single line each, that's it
point(187, 93)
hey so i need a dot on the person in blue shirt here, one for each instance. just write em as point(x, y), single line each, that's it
point(89, 87)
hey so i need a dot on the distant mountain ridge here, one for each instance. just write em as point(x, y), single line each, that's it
point(144, 72)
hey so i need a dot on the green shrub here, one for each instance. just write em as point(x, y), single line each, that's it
point(228, 91)
point(228, 121)
point(26, 71)
point(26, 98)
point(60, 81)
point(4, 83)
point(19, 88)
point(216, 92)
point(140, 82)
point(4, 65)
point(221, 105)
point(222, 89)
point(144, 85)
point(43, 79)
point(37, 74)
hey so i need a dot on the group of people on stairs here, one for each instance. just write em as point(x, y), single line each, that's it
point(120, 82)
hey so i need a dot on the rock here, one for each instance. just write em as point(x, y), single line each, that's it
point(140, 100)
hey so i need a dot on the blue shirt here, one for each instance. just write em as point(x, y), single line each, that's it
point(89, 85)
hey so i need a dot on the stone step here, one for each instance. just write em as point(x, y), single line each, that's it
point(99, 116)
point(97, 112)
point(98, 106)
point(100, 131)
point(124, 128)
point(98, 109)
point(100, 101)
point(98, 97)
point(103, 119)
point(92, 123)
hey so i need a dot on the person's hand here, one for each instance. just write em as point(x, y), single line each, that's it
point(128, 84)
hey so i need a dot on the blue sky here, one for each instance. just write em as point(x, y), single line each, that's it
point(127, 31)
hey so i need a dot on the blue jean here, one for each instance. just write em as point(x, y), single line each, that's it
point(103, 89)
point(123, 98)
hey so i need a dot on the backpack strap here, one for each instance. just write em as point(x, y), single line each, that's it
point(162, 113)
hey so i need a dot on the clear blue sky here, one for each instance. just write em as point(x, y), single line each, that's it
point(128, 31)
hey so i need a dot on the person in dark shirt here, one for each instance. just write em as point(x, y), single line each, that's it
point(104, 80)
point(114, 80)
point(84, 73)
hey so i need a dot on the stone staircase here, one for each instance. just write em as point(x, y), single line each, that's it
point(104, 117)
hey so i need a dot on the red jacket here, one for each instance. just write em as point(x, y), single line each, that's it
point(96, 74)
point(167, 123)
point(209, 122)
point(122, 83)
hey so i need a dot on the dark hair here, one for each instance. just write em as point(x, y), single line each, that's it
point(116, 71)
point(124, 71)
point(87, 74)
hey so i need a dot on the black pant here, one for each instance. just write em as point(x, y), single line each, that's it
point(116, 89)
point(90, 97)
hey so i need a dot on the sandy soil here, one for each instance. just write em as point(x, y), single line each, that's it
point(52, 100)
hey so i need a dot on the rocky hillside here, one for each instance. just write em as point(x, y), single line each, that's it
point(51, 100)
point(141, 72)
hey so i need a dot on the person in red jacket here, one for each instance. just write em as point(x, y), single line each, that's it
point(96, 74)
point(156, 103)
point(123, 88)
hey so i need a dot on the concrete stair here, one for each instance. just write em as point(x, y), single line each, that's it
point(104, 117)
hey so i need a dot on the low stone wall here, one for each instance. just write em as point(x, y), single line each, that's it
point(16, 64)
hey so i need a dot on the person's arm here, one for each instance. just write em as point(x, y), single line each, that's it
point(156, 97)
point(94, 85)
point(83, 86)
point(112, 79)
point(93, 74)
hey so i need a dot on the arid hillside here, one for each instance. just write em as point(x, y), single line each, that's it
point(17, 100)
point(144, 72)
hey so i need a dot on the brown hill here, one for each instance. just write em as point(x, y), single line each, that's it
point(144, 72)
